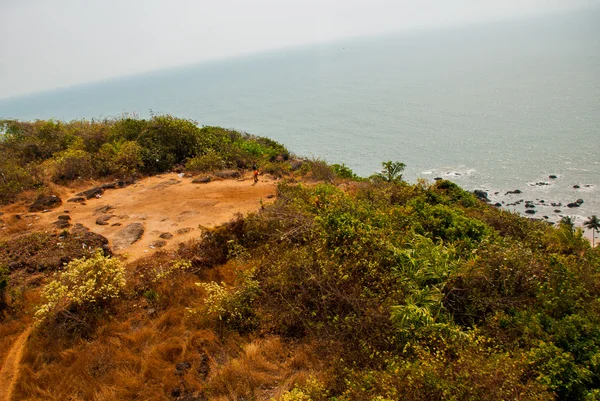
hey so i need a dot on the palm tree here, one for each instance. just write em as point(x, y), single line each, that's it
point(593, 223)
point(568, 223)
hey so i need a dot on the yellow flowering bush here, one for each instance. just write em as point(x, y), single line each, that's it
point(86, 284)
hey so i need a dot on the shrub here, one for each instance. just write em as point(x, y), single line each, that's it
point(84, 288)
point(210, 161)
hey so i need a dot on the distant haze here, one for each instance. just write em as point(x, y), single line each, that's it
point(51, 44)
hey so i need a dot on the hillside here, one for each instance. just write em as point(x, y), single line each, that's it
point(312, 284)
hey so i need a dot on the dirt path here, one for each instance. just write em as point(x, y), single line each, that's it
point(10, 370)
point(170, 208)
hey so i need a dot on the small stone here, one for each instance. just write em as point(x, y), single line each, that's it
point(166, 236)
point(530, 211)
point(576, 186)
point(552, 176)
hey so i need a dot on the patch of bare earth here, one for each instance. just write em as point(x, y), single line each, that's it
point(10, 368)
point(170, 209)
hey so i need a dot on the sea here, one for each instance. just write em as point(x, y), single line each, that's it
point(499, 107)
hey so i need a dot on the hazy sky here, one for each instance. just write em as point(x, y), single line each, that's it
point(47, 44)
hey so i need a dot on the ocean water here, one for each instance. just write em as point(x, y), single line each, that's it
point(497, 107)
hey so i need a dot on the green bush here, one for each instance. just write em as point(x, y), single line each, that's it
point(211, 161)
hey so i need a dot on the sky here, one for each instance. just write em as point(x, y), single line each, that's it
point(47, 44)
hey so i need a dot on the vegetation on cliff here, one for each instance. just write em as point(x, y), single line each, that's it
point(342, 289)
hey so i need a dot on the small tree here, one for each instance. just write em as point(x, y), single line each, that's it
point(593, 223)
point(392, 171)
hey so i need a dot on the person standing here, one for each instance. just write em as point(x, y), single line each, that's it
point(255, 172)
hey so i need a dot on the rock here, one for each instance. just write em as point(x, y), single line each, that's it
point(516, 191)
point(576, 186)
point(498, 204)
point(77, 199)
point(182, 231)
point(128, 236)
point(62, 224)
point(228, 174)
point(552, 176)
point(79, 229)
point(557, 211)
point(103, 209)
point(481, 195)
point(202, 180)
point(1, 213)
point(579, 201)
point(556, 204)
point(296, 164)
point(64, 217)
point(545, 217)
point(166, 236)
point(45, 203)
point(530, 211)
point(529, 206)
point(103, 220)
point(109, 185)
point(541, 183)
point(573, 204)
point(91, 193)
point(116, 225)
point(438, 178)
point(14, 265)
point(158, 243)
point(270, 196)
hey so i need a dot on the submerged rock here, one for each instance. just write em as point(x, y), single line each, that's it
point(481, 195)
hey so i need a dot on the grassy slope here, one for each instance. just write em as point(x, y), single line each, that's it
point(364, 290)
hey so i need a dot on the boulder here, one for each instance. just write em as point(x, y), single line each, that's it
point(45, 203)
point(91, 193)
point(228, 174)
point(202, 180)
point(481, 195)
point(128, 236)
